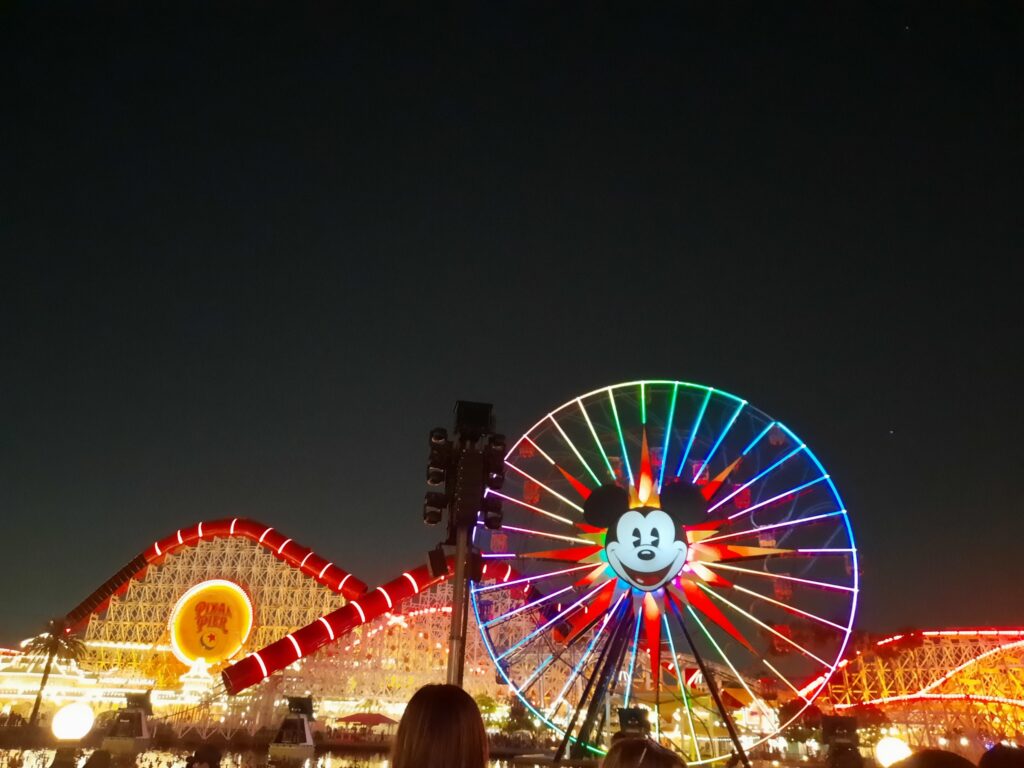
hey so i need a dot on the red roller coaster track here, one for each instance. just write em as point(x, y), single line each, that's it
point(302, 642)
point(280, 546)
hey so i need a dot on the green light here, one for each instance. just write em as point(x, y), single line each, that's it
point(668, 435)
point(608, 464)
point(622, 437)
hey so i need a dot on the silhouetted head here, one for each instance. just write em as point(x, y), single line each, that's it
point(934, 758)
point(633, 752)
point(1002, 756)
point(441, 728)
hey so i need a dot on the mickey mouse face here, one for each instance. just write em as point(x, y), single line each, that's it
point(646, 552)
point(645, 546)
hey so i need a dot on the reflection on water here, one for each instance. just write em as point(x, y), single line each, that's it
point(42, 758)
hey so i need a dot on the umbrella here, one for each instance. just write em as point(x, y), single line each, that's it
point(367, 718)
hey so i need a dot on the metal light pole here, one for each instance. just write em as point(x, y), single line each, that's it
point(468, 466)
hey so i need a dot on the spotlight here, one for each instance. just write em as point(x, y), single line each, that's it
point(491, 508)
point(433, 507)
point(494, 462)
point(440, 456)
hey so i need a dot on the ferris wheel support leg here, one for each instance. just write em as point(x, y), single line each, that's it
point(712, 687)
point(609, 660)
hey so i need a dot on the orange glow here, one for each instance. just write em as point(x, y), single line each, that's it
point(210, 622)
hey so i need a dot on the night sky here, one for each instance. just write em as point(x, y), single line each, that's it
point(251, 254)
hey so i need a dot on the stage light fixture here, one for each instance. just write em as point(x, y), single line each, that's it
point(434, 505)
point(491, 508)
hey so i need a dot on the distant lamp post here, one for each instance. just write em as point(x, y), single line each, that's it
point(72, 721)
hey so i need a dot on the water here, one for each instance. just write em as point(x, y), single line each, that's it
point(42, 758)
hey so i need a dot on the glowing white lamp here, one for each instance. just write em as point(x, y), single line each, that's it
point(72, 721)
point(891, 750)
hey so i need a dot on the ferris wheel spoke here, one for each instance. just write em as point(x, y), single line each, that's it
point(526, 607)
point(773, 526)
point(693, 433)
point(718, 442)
point(549, 623)
point(597, 440)
point(535, 675)
point(711, 683)
point(779, 498)
point(622, 437)
point(632, 660)
point(827, 551)
point(668, 435)
point(725, 657)
point(761, 624)
point(572, 446)
point(531, 507)
point(779, 576)
point(756, 440)
point(785, 679)
point(756, 477)
point(790, 608)
point(577, 486)
point(542, 534)
point(578, 667)
point(682, 687)
point(531, 579)
point(532, 479)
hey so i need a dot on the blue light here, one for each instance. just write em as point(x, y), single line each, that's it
point(693, 432)
point(757, 439)
point(583, 659)
point(757, 477)
point(721, 437)
point(668, 435)
point(557, 617)
point(622, 438)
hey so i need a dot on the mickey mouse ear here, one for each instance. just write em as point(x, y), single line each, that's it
point(683, 501)
point(605, 505)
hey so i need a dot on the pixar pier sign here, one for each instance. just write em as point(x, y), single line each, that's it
point(210, 623)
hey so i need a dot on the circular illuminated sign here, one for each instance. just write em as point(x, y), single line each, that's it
point(72, 721)
point(210, 622)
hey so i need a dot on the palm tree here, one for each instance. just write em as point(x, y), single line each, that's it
point(56, 642)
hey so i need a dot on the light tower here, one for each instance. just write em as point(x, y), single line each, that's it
point(467, 466)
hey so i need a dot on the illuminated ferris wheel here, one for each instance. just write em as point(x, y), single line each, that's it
point(674, 549)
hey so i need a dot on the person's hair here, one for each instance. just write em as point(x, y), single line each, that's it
point(634, 752)
point(934, 758)
point(1002, 756)
point(208, 754)
point(441, 728)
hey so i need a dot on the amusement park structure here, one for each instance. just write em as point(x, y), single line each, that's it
point(662, 546)
point(953, 688)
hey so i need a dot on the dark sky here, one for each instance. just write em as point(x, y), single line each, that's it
point(251, 254)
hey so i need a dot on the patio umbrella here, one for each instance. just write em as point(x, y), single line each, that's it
point(367, 718)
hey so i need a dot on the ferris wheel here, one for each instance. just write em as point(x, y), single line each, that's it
point(669, 548)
